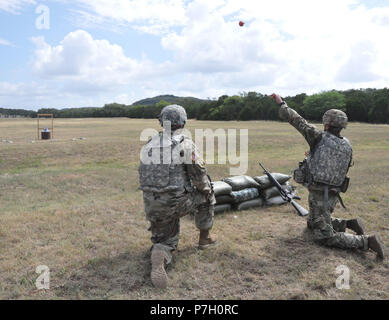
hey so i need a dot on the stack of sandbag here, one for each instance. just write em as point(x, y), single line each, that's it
point(223, 196)
point(236, 193)
point(245, 192)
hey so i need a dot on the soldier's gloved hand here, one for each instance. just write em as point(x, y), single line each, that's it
point(277, 98)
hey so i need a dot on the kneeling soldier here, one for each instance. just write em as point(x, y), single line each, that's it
point(175, 183)
point(324, 172)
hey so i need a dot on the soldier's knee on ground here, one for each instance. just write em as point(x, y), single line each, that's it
point(322, 231)
point(320, 238)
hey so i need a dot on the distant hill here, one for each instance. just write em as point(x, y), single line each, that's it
point(168, 98)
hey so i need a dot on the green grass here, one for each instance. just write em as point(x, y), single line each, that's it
point(75, 207)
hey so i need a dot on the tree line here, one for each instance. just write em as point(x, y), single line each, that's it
point(17, 112)
point(363, 105)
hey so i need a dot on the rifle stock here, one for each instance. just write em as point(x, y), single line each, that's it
point(300, 209)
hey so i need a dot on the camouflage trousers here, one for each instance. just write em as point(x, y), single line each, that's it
point(164, 211)
point(327, 230)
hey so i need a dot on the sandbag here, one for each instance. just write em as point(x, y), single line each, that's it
point(255, 203)
point(241, 182)
point(273, 191)
point(265, 183)
point(245, 194)
point(220, 208)
point(224, 198)
point(275, 201)
point(221, 188)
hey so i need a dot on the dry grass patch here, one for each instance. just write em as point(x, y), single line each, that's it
point(75, 207)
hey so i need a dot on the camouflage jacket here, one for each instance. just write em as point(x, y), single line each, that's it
point(195, 166)
point(311, 134)
point(196, 169)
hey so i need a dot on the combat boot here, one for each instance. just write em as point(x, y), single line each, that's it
point(375, 244)
point(158, 272)
point(205, 240)
point(356, 225)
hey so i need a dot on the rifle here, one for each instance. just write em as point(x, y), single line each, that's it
point(285, 195)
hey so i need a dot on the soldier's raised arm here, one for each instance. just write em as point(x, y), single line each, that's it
point(311, 134)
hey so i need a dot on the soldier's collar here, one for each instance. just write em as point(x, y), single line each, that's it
point(338, 136)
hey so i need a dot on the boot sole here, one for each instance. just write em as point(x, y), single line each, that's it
point(158, 273)
point(380, 249)
point(362, 227)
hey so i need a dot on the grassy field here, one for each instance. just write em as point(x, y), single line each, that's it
point(74, 205)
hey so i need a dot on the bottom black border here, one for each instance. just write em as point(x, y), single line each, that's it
point(196, 309)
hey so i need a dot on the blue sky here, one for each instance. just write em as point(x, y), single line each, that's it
point(96, 52)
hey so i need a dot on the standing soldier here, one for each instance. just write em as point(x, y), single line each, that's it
point(324, 172)
point(174, 182)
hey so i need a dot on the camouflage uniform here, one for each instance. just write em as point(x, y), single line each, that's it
point(326, 230)
point(164, 209)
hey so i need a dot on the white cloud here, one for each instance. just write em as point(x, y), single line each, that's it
point(4, 42)
point(25, 95)
point(23, 90)
point(15, 6)
point(152, 16)
point(81, 58)
point(358, 67)
point(81, 70)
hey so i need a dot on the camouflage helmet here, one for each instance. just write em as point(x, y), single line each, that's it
point(175, 114)
point(335, 118)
